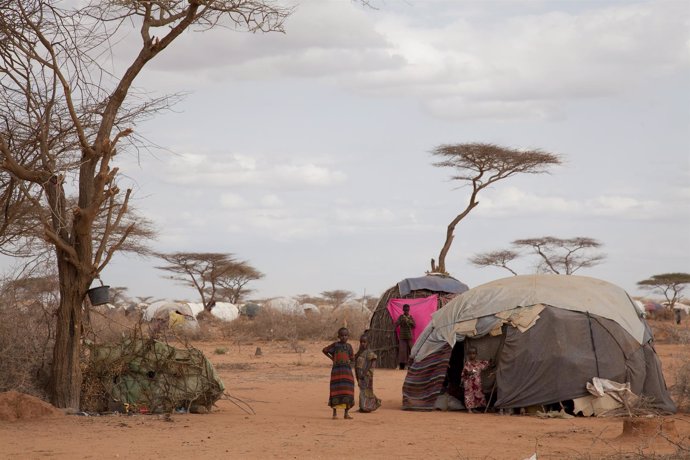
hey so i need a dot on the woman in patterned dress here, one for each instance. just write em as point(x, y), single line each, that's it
point(342, 386)
point(365, 361)
point(472, 380)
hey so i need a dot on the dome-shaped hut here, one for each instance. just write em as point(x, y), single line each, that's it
point(424, 294)
point(548, 335)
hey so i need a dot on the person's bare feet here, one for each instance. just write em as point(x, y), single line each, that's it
point(347, 417)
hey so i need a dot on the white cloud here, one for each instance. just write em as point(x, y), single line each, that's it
point(476, 62)
point(354, 216)
point(513, 202)
point(240, 170)
point(271, 201)
point(233, 201)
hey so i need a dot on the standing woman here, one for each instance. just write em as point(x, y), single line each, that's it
point(342, 387)
point(365, 362)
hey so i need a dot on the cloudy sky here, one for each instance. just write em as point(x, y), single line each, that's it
point(308, 153)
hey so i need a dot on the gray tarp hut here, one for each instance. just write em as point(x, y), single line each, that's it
point(548, 334)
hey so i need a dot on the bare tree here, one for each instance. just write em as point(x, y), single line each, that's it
point(556, 255)
point(480, 165)
point(337, 297)
point(499, 259)
point(211, 274)
point(671, 285)
point(62, 119)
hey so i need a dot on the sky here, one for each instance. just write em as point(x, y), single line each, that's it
point(308, 153)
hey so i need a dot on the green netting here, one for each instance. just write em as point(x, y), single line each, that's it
point(150, 376)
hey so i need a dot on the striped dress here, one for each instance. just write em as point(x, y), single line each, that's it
point(342, 387)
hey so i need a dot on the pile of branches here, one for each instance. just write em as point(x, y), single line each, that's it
point(143, 375)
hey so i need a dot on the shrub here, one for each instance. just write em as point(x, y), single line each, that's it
point(27, 336)
point(274, 325)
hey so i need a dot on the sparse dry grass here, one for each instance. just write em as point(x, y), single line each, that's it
point(271, 325)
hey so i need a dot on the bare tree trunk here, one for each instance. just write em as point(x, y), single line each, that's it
point(450, 234)
point(66, 371)
point(444, 251)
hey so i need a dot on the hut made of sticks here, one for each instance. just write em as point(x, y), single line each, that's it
point(382, 339)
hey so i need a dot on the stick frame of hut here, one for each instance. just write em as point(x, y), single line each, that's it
point(382, 339)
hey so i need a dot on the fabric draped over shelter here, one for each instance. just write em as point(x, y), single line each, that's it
point(551, 334)
point(424, 380)
point(420, 309)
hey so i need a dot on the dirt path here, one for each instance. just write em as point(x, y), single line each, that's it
point(288, 391)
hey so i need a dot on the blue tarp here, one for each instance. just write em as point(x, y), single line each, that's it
point(432, 283)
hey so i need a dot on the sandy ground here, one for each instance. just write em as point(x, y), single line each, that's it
point(288, 391)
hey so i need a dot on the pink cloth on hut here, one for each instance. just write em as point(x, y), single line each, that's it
point(420, 309)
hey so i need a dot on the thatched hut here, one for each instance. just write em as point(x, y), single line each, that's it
point(382, 338)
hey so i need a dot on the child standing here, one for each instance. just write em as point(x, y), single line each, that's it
point(406, 323)
point(342, 387)
point(472, 380)
point(365, 361)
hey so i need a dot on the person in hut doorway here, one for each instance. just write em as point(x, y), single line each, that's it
point(342, 386)
point(406, 323)
point(472, 380)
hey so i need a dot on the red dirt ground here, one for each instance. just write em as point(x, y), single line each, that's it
point(288, 391)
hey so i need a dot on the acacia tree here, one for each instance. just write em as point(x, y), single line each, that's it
point(337, 297)
point(556, 255)
point(479, 166)
point(671, 285)
point(232, 282)
point(211, 274)
point(62, 117)
point(500, 259)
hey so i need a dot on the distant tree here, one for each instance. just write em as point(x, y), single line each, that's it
point(481, 165)
point(368, 301)
point(337, 297)
point(671, 285)
point(499, 259)
point(306, 298)
point(556, 255)
point(212, 274)
point(40, 291)
point(231, 280)
point(144, 299)
point(118, 295)
point(563, 255)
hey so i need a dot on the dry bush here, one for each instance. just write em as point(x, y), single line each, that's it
point(26, 342)
point(662, 315)
point(210, 327)
point(274, 325)
point(109, 325)
point(681, 387)
point(670, 333)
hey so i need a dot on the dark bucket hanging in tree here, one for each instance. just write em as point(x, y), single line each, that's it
point(99, 295)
